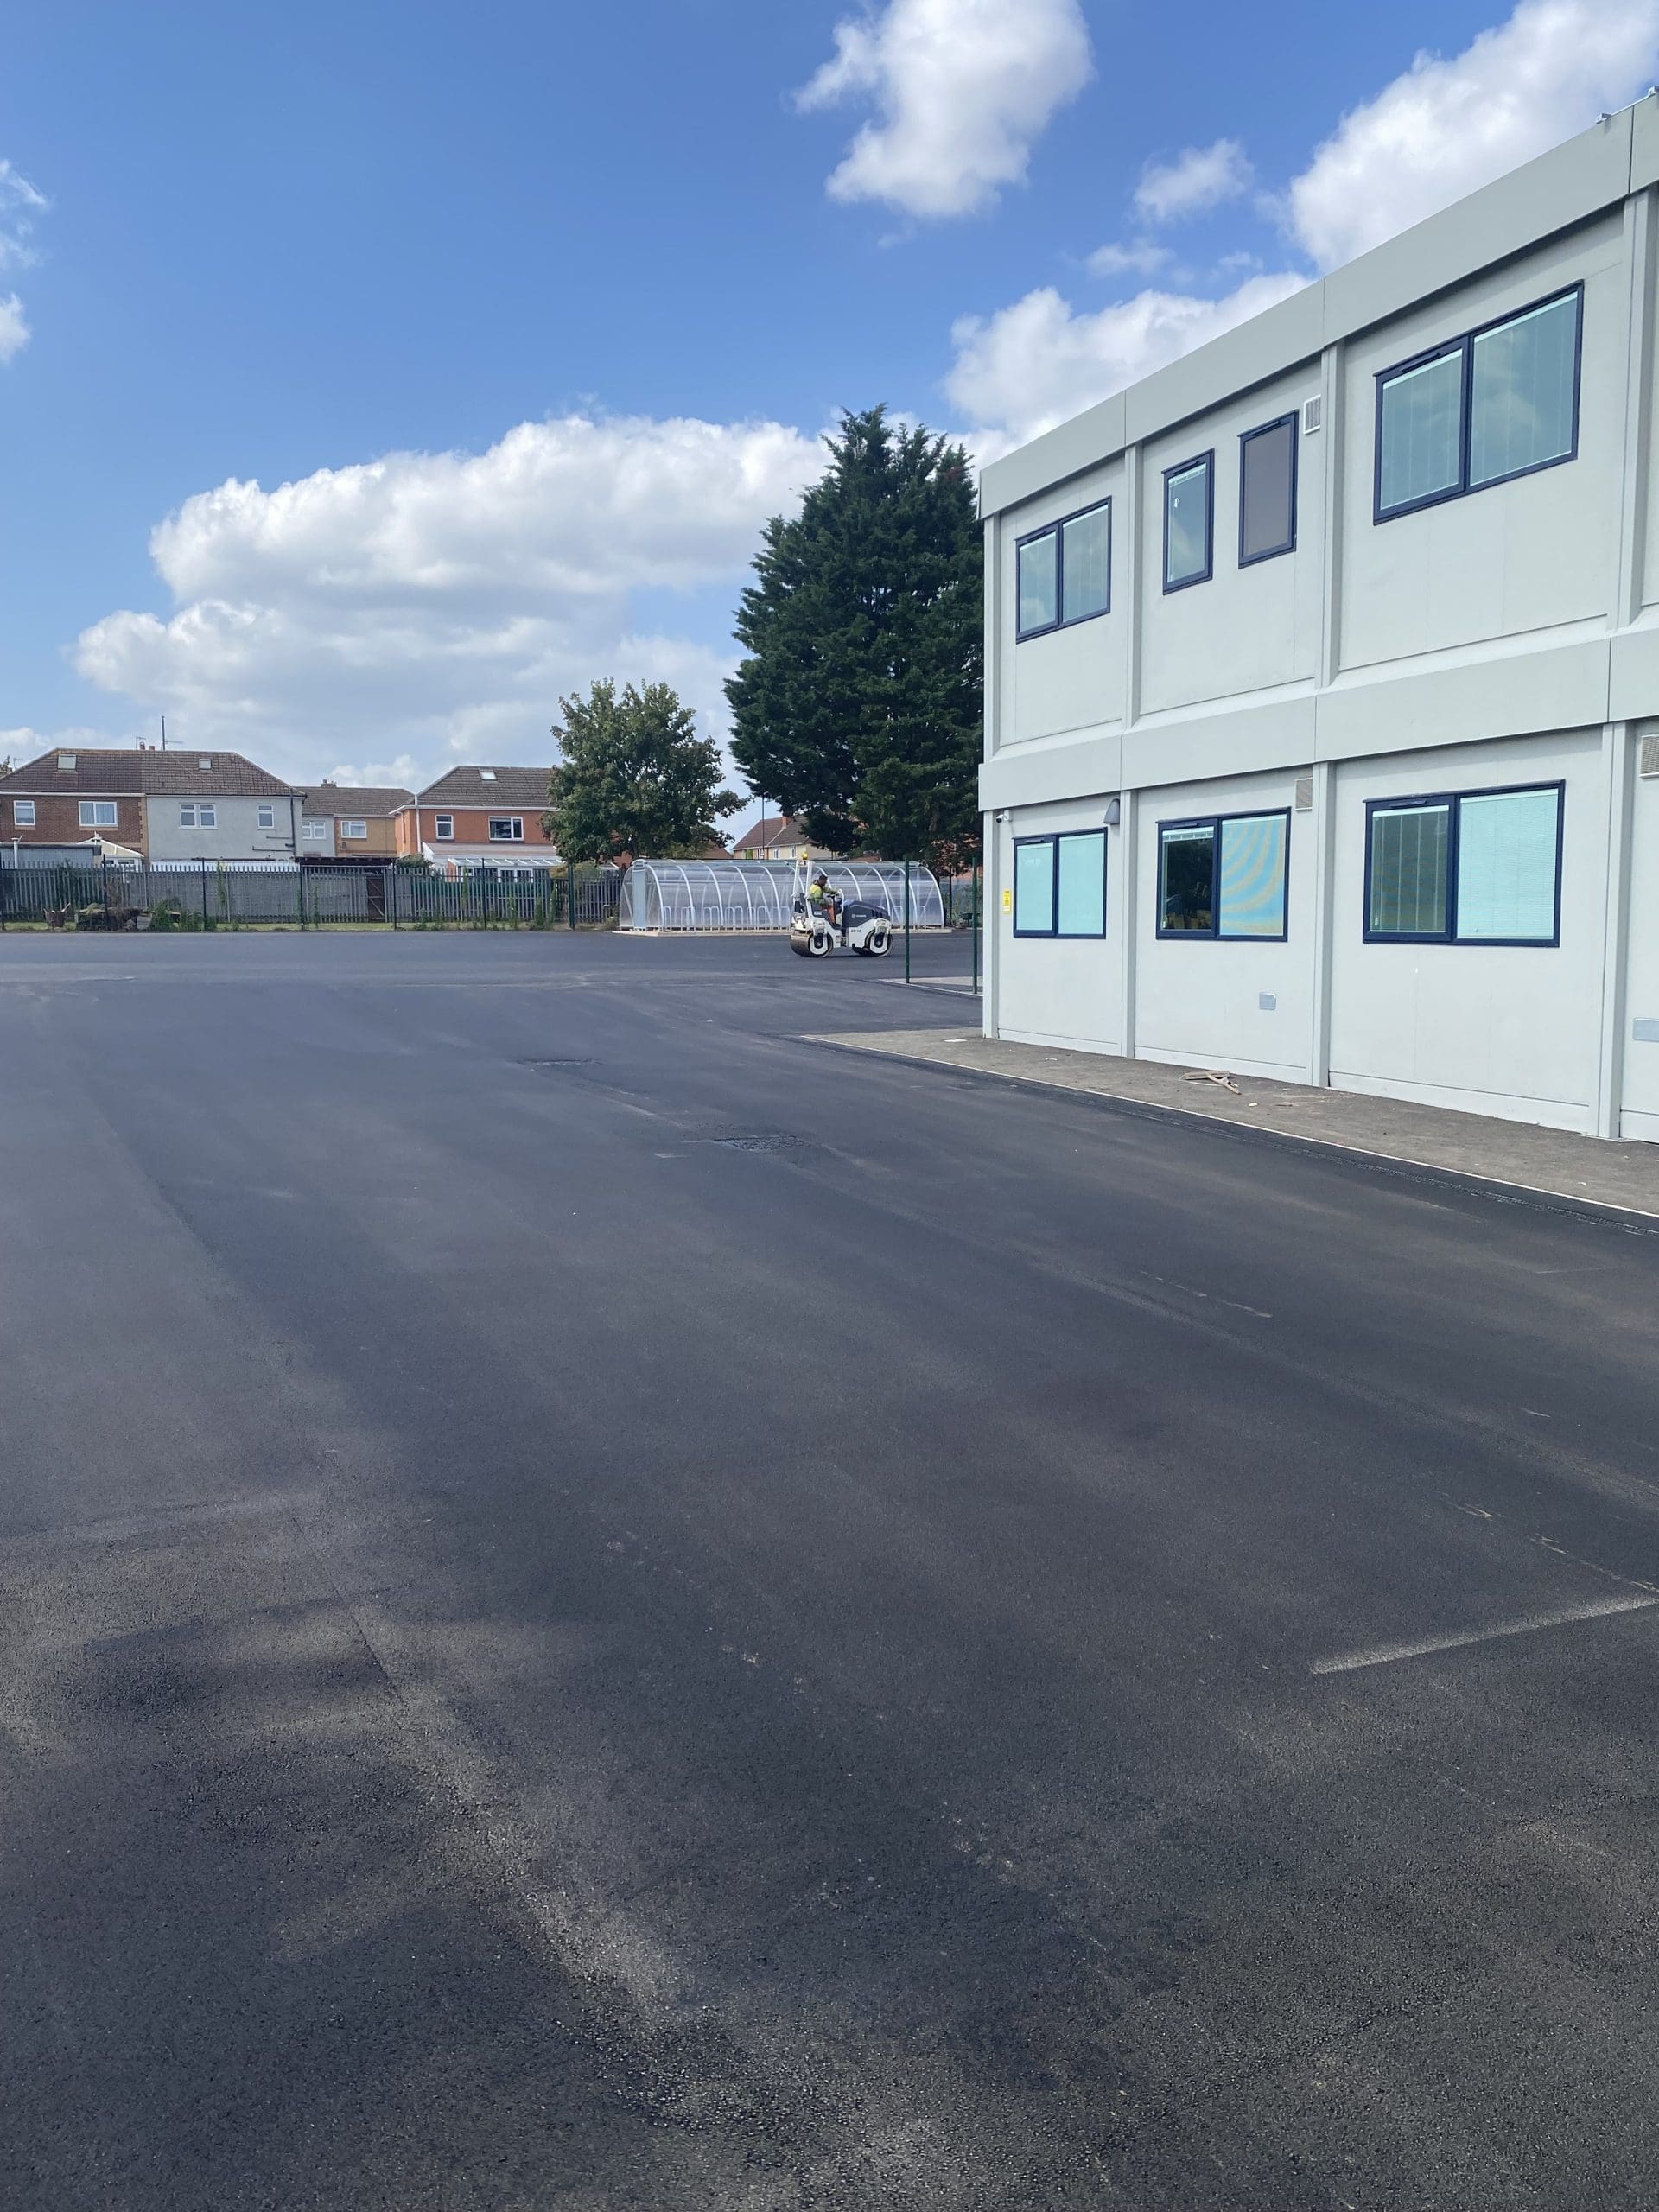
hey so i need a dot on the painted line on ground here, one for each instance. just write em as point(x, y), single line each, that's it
point(1384, 1654)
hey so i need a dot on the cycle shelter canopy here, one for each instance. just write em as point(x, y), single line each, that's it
point(757, 894)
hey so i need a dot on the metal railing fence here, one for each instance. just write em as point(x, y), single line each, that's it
point(119, 895)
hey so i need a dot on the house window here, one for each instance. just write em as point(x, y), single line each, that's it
point(22, 813)
point(267, 815)
point(198, 816)
point(506, 830)
point(1495, 404)
point(486, 775)
point(66, 764)
point(1224, 877)
point(205, 762)
point(444, 827)
point(1267, 492)
point(98, 813)
point(353, 829)
point(1060, 885)
point(1189, 517)
point(1065, 571)
point(1469, 868)
point(317, 832)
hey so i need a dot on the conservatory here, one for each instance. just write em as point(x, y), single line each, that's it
point(757, 894)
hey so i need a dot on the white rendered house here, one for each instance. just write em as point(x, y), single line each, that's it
point(1322, 705)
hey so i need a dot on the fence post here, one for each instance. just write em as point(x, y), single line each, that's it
point(570, 894)
point(976, 928)
point(906, 921)
point(204, 894)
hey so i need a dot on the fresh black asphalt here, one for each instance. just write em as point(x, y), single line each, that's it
point(601, 1606)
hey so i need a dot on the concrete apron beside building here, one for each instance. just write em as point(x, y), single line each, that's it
point(1500, 637)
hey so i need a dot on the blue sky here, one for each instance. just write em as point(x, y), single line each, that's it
point(594, 280)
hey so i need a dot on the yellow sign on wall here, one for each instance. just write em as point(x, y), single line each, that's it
point(1007, 902)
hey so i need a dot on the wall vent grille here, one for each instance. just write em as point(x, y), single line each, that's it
point(1304, 794)
point(1313, 414)
point(1650, 756)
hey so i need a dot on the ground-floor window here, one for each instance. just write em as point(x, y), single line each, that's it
point(1224, 875)
point(1465, 867)
point(1060, 885)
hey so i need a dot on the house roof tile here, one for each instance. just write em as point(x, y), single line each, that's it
point(105, 773)
point(377, 799)
point(522, 789)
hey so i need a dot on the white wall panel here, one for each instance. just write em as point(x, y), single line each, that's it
point(1511, 1030)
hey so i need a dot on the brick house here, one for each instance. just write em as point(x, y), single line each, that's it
point(69, 797)
point(776, 837)
point(481, 817)
point(179, 805)
point(353, 821)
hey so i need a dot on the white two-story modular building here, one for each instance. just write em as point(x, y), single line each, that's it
point(1322, 722)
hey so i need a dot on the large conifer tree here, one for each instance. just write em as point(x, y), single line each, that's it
point(859, 705)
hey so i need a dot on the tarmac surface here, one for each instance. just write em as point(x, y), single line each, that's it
point(602, 1607)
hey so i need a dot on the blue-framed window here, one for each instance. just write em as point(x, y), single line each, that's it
point(1225, 875)
point(1060, 885)
point(1064, 571)
point(1267, 491)
point(1465, 867)
point(1498, 403)
point(1189, 522)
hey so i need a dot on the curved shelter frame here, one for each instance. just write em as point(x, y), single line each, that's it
point(758, 894)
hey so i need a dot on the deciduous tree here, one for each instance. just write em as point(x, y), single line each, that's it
point(634, 778)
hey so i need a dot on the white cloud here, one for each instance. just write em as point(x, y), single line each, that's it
point(963, 90)
point(1140, 257)
point(1023, 370)
point(19, 204)
point(14, 326)
point(424, 608)
point(1445, 128)
point(1438, 132)
point(1197, 181)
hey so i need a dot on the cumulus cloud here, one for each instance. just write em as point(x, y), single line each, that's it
point(1446, 127)
point(1438, 132)
point(962, 89)
point(424, 608)
point(1023, 370)
point(1197, 181)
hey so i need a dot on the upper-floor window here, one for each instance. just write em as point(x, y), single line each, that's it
point(267, 815)
point(98, 813)
point(1468, 867)
point(443, 827)
point(349, 829)
point(1065, 571)
point(1267, 491)
point(1497, 403)
point(1189, 522)
point(1060, 885)
point(1224, 876)
point(506, 828)
point(317, 832)
point(22, 813)
point(198, 816)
